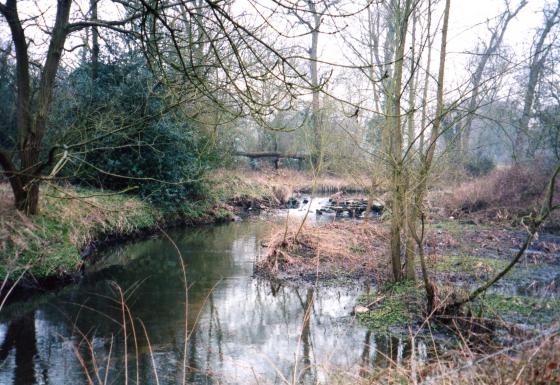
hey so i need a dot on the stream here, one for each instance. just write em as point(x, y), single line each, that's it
point(239, 329)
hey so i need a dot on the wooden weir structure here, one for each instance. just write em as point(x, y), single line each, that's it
point(355, 208)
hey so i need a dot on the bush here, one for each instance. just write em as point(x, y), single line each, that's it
point(506, 193)
point(162, 163)
point(479, 165)
point(133, 139)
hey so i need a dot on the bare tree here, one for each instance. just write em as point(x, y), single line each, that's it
point(401, 14)
point(313, 19)
point(539, 54)
point(484, 55)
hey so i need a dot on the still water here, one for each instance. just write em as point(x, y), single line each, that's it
point(238, 329)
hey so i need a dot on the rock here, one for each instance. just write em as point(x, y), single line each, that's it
point(360, 309)
point(236, 218)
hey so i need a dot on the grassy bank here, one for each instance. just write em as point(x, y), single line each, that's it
point(50, 244)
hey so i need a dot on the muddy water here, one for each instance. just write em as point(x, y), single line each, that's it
point(238, 329)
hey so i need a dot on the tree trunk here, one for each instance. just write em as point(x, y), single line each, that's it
point(410, 246)
point(421, 187)
point(410, 250)
point(27, 200)
point(313, 56)
point(31, 128)
point(396, 141)
point(94, 42)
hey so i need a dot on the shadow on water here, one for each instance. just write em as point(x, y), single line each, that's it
point(240, 330)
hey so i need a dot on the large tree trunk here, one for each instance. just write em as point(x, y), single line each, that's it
point(31, 128)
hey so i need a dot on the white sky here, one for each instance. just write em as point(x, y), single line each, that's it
point(468, 21)
point(467, 26)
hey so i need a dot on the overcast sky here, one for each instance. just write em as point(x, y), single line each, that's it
point(467, 26)
point(468, 20)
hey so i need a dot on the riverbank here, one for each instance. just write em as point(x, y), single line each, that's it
point(48, 249)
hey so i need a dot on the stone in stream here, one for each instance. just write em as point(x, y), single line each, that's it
point(360, 309)
point(293, 203)
point(353, 208)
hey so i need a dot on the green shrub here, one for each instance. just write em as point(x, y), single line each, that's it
point(479, 165)
point(134, 138)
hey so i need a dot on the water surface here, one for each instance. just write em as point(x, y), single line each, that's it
point(239, 329)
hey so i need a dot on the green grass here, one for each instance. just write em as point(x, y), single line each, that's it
point(519, 309)
point(467, 264)
point(394, 306)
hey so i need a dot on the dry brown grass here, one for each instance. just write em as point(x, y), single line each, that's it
point(340, 248)
point(278, 185)
point(534, 361)
point(504, 195)
point(530, 361)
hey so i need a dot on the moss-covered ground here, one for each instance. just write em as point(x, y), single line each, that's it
point(392, 307)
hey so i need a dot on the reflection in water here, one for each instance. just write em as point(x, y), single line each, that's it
point(19, 339)
point(240, 330)
point(364, 362)
point(306, 336)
